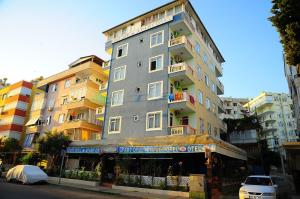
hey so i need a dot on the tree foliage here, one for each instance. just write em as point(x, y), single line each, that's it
point(286, 19)
point(9, 145)
point(51, 143)
point(30, 158)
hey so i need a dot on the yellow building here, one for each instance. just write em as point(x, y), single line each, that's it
point(70, 101)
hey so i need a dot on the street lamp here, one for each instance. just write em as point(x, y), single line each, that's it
point(62, 153)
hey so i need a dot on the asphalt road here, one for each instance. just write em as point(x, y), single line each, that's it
point(47, 191)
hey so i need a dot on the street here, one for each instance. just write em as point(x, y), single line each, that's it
point(48, 191)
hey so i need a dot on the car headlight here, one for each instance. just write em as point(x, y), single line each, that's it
point(268, 194)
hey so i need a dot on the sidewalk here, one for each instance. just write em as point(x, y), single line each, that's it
point(131, 194)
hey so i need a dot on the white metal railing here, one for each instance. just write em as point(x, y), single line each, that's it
point(177, 130)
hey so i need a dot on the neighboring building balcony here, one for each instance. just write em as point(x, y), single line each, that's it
point(78, 124)
point(182, 72)
point(223, 126)
point(100, 113)
point(220, 106)
point(84, 84)
point(220, 87)
point(34, 129)
point(103, 89)
point(182, 46)
point(181, 130)
point(182, 22)
point(80, 104)
point(219, 70)
point(182, 101)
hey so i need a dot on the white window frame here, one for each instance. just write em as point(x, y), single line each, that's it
point(208, 104)
point(111, 103)
point(162, 39)
point(117, 57)
point(160, 122)
point(162, 63)
point(117, 68)
point(200, 100)
point(161, 90)
point(61, 118)
point(67, 83)
point(120, 125)
point(53, 88)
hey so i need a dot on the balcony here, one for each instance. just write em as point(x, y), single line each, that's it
point(220, 87)
point(182, 23)
point(78, 124)
point(182, 46)
point(182, 101)
point(34, 129)
point(220, 106)
point(100, 113)
point(219, 70)
point(80, 104)
point(223, 126)
point(84, 84)
point(181, 72)
point(181, 130)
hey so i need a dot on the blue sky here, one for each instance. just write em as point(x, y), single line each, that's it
point(41, 37)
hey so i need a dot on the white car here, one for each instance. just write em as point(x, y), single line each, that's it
point(27, 174)
point(258, 187)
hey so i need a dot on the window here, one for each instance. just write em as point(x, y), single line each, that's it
point(120, 73)
point(205, 59)
point(77, 134)
point(122, 50)
point(209, 128)
point(154, 121)
point(197, 48)
point(48, 121)
point(67, 83)
point(4, 96)
point(207, 103)
point(114, 125)
point(199, 72)
point(54, 87)
point(213, 87)
point(117, 98)
point(61, 118)
point(206, 81)
point(200, 97)
point(64, 100)
point(157, 39)
point(155, 90)
point(156, 63)
point(201, 125)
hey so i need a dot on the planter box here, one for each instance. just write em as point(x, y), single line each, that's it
point(54, 180)
point(152, 191)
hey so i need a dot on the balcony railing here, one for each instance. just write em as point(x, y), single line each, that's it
point(100, 110)
point(180, 67)
point(220, 84)
point(181, 40)
point(103, 87)
point(182, 130)
point(106, 64)
point(181, 97)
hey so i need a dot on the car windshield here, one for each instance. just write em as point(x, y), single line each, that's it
point(258, 181)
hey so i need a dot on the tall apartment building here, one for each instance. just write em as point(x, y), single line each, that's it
point(15, 101)
point(165, 76)
point(293, 80)
point(275, 114)
point(234, 107)
point(71, 102)
point(162, 99)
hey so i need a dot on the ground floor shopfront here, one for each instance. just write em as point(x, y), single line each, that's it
point(160, 161)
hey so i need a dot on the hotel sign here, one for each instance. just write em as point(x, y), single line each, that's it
point(194, 148)
point(89, 150)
